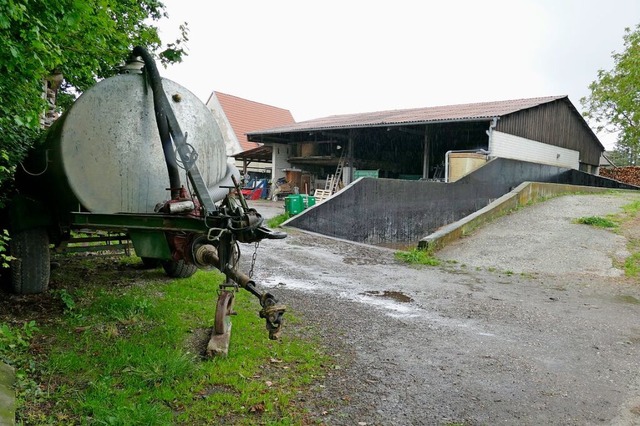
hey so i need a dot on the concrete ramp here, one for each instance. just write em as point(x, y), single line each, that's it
point(401, 213)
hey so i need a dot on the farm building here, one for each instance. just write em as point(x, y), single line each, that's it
point(414, 143)
point(236, 117)
point(437, 164)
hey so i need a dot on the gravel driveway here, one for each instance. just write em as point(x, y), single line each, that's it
point(533, 324)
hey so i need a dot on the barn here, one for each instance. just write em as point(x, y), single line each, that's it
point(433, 165)
point(413, 143)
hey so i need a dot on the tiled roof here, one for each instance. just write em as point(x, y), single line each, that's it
point(463, 112)
point(246, 116)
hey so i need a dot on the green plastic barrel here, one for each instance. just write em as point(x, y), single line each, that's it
point(293, 204)
point(310, 201)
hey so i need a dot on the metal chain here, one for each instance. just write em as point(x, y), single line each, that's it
point(253, 259)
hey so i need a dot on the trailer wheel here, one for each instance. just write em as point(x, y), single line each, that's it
point(178, 268)
point(31, 266)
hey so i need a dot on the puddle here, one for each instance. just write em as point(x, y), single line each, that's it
point(396, 296)
point(394, 302)
point(279, 282)
point(394, 309)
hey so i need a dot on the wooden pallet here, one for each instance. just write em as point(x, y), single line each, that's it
point(321, 194)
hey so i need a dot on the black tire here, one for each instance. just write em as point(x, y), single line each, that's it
point(150, 262)
point(178, 269)
point(31, 267)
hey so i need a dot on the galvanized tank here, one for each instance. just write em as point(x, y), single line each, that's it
point(105, 152)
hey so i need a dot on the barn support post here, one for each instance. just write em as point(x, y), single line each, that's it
point(348, 179)
point(425, 155)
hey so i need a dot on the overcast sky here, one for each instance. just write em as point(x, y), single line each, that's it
point(321, 58)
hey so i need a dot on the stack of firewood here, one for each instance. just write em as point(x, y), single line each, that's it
point(630, 175)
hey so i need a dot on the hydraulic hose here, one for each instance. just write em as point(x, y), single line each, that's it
point(160, 107)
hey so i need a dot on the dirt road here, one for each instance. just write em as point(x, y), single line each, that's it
point(533, 324)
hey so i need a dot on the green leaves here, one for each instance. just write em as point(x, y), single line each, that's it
point(614, 102)
point(83, 39)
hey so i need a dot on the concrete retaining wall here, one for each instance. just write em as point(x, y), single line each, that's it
point(388, 211)
point(525, 193)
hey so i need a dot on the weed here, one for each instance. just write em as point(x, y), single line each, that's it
point(632, 265)
point(597, 221)
point(66, 298)
point(14, 350)
point(278, 220)
point(632, 209)
point(418, 257)
point(4, 243)
point(14, 341)
point(528, 275)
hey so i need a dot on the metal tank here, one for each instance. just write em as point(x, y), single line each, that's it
point(106, 149)
point(139, 156)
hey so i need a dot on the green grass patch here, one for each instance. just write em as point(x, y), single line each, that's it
point(418, 257)
point(597, 221)
point(128, 349)
point(278, 220)
point(632, 209)
point(632, 265)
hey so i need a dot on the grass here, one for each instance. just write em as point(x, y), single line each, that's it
point(632, 265)
point(630, 212)
point(278, 220)
point(418, 257)
point(128, 350)
point(632, 209)
point(596, 221)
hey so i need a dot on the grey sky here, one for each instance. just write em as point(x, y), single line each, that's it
point(320, 58)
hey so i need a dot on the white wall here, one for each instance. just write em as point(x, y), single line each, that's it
point(279, 160)
point(505, 145)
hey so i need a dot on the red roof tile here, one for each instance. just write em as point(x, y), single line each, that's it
point(248, 116)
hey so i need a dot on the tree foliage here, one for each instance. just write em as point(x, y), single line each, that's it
point(614, 102)
point(82, 39)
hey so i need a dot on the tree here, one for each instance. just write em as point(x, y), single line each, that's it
point(81, 39)
point(614, 102)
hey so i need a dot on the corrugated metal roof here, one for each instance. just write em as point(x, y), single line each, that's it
point(463, 112)
point(246, 116)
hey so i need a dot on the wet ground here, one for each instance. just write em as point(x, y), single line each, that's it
point(531, 324)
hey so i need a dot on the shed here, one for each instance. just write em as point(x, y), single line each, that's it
point(413, 143)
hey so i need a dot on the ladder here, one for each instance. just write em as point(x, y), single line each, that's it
point(337, 178)
point(332, 183)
